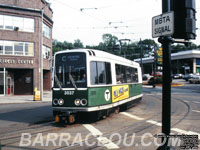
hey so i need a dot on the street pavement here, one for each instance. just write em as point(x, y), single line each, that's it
point(37, 120)
point(25, 98)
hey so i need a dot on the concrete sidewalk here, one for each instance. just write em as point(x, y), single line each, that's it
point(25, 98)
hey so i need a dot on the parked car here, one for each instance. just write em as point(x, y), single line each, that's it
point(188, 76)
point(157, 74)
point(146, 77)
point(178, 76)
point(195, 79)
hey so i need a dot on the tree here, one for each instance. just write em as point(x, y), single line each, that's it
point(109, 42)
point(78, 44)
point(58, 46)
point(181, 47)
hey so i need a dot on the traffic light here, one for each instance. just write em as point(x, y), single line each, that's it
point(184, 19)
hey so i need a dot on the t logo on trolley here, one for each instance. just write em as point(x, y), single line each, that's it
point(107, 95)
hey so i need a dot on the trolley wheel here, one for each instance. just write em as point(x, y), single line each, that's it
point(116, 110)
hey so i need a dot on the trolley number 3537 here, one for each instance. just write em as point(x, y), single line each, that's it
point(68, 92)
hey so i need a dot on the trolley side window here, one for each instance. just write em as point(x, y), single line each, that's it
point(125, 74)
point(100, 73)
point(134, 75)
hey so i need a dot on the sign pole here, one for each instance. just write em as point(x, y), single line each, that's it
point(166, 90)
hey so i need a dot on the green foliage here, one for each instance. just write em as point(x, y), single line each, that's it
point(78, 44)
point(181, 47)
point(58, 46)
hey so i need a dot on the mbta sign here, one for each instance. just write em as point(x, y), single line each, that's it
point(163, 25)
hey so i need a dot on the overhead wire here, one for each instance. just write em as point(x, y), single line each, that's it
point(78, 10)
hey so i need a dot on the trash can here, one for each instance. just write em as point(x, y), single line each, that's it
point(36, 95)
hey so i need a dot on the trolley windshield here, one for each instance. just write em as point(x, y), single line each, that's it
point(70, 70)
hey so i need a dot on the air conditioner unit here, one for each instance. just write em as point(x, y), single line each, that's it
point(16, 28)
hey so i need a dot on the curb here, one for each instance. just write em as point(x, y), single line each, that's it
point(25, 102)
point(160, 85)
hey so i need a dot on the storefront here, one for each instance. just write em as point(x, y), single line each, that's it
point(20, 76)
point(25, 40)
point(16, 81)
point(183, 62)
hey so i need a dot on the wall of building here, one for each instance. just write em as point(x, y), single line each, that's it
point(28, 9)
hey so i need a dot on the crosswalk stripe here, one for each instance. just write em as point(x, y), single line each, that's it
point(160, 124)
point(154, 122)
point(104, 140)
point(132, 116)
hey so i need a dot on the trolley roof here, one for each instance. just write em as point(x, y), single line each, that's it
point(100, 54)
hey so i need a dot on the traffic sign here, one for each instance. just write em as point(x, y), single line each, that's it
point(163, 25)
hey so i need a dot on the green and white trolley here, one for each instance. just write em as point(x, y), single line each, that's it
point(93, 82)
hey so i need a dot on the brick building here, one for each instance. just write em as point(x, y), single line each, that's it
point(21, 28)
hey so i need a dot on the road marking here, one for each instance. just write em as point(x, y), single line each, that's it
point(192, 102)
point(153, 94)
point(196, 102)
point(154, 122)
point(196, 111)
point(160, 124)
point(104, 140)
point(186, 132)
point(93, 130)
point(131, 116)
point(179, 130)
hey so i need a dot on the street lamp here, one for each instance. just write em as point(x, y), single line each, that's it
point(141, 56)
point(120, 41)
point(41, 54)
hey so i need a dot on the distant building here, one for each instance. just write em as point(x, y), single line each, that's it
point(20, 46)
point(182, 62)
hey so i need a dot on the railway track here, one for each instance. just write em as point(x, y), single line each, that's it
point(136, 127)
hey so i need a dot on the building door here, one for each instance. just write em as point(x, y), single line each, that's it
point(10, 86)
point(23, 81)
point(1, 82)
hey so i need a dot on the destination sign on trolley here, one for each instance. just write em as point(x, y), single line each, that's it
point(163, 25)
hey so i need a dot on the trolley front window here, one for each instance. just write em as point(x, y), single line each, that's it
point(70, 70)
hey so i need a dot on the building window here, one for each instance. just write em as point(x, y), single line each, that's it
point(46, 31)
point(29, 49)
point(19, 23)
point(1, 47)
point(8, 47)
point(1, 21)
point(16, 48)
point(8, 21)
point(46, 52)
point(28, 25)
point(16, 23)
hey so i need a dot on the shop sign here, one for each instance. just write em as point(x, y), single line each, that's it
point(19, 61)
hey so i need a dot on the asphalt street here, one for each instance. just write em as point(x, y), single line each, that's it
point(116, 131)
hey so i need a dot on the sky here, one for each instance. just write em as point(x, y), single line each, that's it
point(88, 20)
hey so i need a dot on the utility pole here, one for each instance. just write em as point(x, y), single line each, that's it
point(141, 56)
point(166, 90)
point(181, 25)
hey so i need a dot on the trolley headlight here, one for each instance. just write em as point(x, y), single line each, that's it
point(83, 102)
point(77, 102)
point(55, 101)
point(60, 101)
